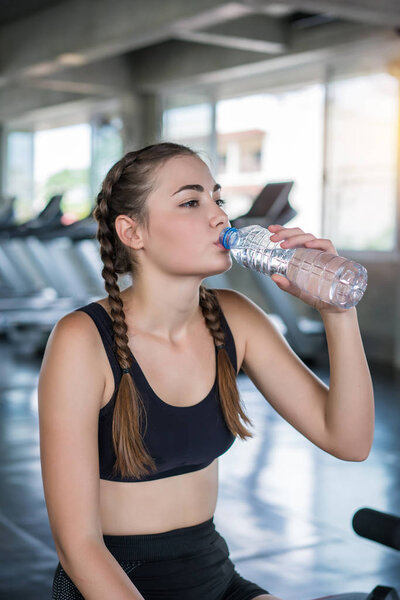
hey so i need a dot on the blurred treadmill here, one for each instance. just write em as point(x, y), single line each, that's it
point(40, 284)
point(305, 336)
point(7, 210)
point(20, 274)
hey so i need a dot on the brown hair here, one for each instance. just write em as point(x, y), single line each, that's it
point(124, 191)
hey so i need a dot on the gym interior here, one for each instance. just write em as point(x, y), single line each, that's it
point(294, 105)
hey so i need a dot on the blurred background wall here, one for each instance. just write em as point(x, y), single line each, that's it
point(298, 90)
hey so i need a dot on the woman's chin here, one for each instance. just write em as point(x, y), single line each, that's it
point(218, 271)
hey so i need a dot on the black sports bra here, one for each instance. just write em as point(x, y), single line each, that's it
point(180, 439)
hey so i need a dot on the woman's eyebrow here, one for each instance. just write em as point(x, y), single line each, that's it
point(196, 187)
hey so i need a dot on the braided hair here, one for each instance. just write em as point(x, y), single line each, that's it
point(124, 191)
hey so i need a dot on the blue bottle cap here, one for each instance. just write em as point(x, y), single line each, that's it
point(228, 237)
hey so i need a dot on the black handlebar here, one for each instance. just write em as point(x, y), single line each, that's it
point(378, 526)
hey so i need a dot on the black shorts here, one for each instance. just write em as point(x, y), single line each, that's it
point(189, 563)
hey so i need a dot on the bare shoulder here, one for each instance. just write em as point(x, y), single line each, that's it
point(78, 323)
point(247, 320)
point(236, 306)
point(230, 300)
point(74, 340)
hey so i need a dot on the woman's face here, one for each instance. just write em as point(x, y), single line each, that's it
point(184, 224)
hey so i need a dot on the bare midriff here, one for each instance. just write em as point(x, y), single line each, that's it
point(156, 506)
point(144, 507)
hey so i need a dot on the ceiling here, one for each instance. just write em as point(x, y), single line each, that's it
point(54, 53)
point(10, 10)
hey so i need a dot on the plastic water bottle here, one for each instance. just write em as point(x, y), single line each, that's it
point(326, 276)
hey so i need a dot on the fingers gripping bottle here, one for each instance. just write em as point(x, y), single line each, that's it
point(333, 279)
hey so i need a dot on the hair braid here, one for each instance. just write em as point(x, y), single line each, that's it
point(229, 394)
point(131, 455)
point(106, 238)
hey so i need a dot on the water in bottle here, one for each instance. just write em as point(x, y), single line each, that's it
point(330, 278)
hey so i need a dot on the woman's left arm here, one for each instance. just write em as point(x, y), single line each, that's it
point(349, 408)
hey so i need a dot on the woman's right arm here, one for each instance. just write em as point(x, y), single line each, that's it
point(70, 391)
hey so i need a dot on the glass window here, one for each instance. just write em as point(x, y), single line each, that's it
point(189, 125)
point(221, 160)
point(107, 149)
point(361, 162)
point(62, 158)
point(279, 136)
point(250, 155)
point(71, 160)
point(270, 138)
point(19, 173)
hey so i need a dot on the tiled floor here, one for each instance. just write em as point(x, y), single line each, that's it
point(284, 507)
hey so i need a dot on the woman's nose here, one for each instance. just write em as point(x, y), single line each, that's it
point(220, 218)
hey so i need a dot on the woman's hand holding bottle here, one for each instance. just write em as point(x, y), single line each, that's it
point(294, 237)
point(299, 263)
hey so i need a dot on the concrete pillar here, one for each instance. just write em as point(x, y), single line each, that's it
point(142, 120)
point(2, 158)
point(106, 147)
point(18, 176)
point(329, 72)
point(213, 136)
point(396, 346)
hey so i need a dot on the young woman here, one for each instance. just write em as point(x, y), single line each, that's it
point(138, 395)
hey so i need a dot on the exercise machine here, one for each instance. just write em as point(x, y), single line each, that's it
point(380, 527)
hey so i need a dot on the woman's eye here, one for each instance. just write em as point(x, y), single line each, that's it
point(222, 202)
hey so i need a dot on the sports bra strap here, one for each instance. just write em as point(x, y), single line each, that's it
point(101, 319)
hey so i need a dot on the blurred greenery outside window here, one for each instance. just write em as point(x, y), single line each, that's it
point(72, 161)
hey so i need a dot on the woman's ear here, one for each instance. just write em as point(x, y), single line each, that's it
point(129, 232)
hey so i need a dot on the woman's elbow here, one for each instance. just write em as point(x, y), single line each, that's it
point(358, 456)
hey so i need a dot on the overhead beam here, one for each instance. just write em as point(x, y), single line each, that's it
point(183, 64)
point(178, 63)
point(115, 76)
point(77, 32)
point(385, 13)
point(105, 78)
point(257, 33)
point(189, 63)
point(19, 100)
